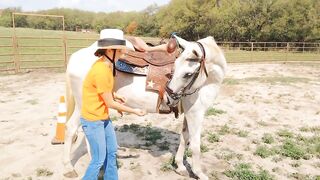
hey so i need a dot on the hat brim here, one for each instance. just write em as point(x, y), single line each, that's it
point(128, 46)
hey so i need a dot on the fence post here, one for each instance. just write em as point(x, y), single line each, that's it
point(287, 51)
point(15, 54)
point(251, 57)
point(65, 51)
point(15, 47)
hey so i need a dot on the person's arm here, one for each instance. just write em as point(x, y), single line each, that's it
point(119, 98)
point(104, 83)
point(111, 103)
point(141, 45)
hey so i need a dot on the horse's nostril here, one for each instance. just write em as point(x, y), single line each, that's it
point(169, 76)
point(168, 101)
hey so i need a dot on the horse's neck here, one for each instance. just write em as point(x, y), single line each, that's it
point(201, 99)
point(208, 86)
point(214, 54)
point(216, 64)
point(81, 62)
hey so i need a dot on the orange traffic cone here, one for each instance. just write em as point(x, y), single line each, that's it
point(61, 121)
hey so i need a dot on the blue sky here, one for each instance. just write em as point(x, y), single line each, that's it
point(88, 5)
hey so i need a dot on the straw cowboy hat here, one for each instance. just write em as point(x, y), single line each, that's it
point(113, 39)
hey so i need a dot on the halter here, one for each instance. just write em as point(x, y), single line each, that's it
point(182, 93)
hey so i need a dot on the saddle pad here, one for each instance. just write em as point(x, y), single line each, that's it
point(124, 67)
point(158, 77)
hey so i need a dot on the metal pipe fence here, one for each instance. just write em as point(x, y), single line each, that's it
point(18, 54)
point(239, 52)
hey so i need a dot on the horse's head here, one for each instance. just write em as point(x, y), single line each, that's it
point(191, 68)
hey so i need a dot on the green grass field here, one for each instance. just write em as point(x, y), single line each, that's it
point(237, 56)
point(38, 48)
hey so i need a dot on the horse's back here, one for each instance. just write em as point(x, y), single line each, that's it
point(79, 65)
point(81, 61)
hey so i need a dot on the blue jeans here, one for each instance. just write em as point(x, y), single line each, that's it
point(103, 146)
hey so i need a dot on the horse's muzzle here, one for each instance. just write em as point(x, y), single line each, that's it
point(170, 101)
point(172, 98)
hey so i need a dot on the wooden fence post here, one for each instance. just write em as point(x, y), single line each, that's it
point(15, 47)
point(287, 51)
point(251, 57)
point(65, 51)
point(16, 54)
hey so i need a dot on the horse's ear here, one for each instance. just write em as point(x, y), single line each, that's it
point(207, 40)
point(183, 43)
point(211, 37)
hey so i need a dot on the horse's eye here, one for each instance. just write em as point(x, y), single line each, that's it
point(187, 75)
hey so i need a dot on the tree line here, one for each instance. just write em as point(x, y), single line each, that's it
point(226, 20)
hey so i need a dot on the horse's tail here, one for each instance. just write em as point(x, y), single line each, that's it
point(69, 97)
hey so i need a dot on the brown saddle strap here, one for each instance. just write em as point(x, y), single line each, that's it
point(155, 58)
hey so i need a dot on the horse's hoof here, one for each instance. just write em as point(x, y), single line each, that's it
point(71, 174)
point(182, 171)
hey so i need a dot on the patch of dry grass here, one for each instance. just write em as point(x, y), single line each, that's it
point(43, 172)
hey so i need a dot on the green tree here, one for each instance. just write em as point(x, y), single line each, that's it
point(5, 18)
point(226, 20)
point(294, 20)
point(147, 23)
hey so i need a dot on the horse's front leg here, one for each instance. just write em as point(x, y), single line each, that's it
point(71, 128)
point(184, 138)
point(194, 120)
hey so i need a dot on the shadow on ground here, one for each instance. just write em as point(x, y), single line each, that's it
point(157, 141)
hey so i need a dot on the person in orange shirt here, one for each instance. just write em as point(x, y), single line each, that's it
point(97, 98)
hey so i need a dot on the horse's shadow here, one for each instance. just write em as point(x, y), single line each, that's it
point(157, 141)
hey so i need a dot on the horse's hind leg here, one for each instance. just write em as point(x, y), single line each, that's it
point(71, 128)
point(184, 138)
point(194, 121)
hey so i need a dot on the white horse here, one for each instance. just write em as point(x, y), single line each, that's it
point(202, 90)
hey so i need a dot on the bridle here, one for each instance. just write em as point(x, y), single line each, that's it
point(182, 93)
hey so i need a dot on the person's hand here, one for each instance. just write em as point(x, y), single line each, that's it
point(120, 99)
point(120, 112)
point(140, 112)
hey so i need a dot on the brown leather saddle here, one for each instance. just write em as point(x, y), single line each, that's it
point(159, 66)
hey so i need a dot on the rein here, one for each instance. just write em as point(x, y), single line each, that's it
point(182, 93)
point(203, 60)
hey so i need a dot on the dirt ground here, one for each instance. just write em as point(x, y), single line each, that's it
point(265, 123)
